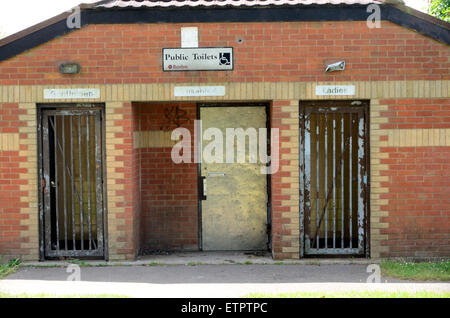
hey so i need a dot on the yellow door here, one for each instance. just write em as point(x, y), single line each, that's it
point(234, 214)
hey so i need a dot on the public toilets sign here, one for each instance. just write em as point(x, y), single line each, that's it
point(198, 59)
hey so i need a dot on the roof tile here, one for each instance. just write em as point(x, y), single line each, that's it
point(222, 3)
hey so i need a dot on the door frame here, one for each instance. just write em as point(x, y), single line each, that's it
point(267, 106)
point(40, 108)
point(365, 104)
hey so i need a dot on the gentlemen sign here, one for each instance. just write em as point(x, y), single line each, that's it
point(198, 59)
point(325, 90)
point(72, 93)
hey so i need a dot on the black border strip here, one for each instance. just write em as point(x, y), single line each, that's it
point(428, 26)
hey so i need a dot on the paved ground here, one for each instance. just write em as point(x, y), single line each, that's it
point(207, 274)
point(227, 275)
point(203, 281)
point(184, 258)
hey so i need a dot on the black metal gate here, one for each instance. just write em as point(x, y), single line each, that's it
point(333, 180)
point(71, 169)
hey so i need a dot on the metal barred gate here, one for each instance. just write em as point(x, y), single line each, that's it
point(71, 168)
point(333, 179)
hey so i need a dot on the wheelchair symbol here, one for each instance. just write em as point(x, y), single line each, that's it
point(224, 58)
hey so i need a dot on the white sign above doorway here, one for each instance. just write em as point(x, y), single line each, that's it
point(327, 90)
point(186, 91)
point(72, 93)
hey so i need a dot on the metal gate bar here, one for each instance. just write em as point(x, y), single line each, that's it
point(72, 154)
point(333, 163)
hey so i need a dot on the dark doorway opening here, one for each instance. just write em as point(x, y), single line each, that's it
point(334, 177)
point(71, 170)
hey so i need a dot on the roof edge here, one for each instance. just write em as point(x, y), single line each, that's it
point(420, 15)
point(46, 23)
point(49, 29)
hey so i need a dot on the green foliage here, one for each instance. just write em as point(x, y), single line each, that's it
point(354, 294)
point(440, 9)
point(44, 295)
point(194, 263)
point(417, 270)
point(9, 268)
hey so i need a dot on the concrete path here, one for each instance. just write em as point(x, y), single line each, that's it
point(181, 281)
point(206, 274)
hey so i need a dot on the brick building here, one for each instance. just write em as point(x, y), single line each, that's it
point(89, 100)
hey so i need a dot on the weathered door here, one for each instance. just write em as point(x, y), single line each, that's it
point(333, 181)
point(72, 182)
point(234, 212)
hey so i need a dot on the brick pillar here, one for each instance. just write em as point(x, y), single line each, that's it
point(285, 183)
point(121, 182)
point(18, 182)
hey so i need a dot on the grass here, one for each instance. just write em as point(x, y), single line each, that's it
point(43, 295)
point(194, 263)
point(153, 264)
point(42, 265)
point(9, 268)
point(353, 294)
point(417, 271)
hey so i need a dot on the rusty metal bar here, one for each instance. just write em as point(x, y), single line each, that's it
point(334, 180)
point(81, 184)
point(46, 181)
point(55, 185)
point(73, 186)
point(302, 178)
point(361, 181)
point(307, 178)
point(99, 181)
point(333, 251)
point(88, 152)
point(342, 179)
point(64, 180)
point(318, 179)
point(351, 177)
point(325, 123)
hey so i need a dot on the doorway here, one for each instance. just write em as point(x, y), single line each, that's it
point(234, 200)
point(72, 190)
point(333, 180)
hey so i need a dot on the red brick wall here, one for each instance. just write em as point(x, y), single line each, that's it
point(417, 113)
point(10, 203)
point(294, 51)
point(130, 180)
point(419, 183)
point(169, 190)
